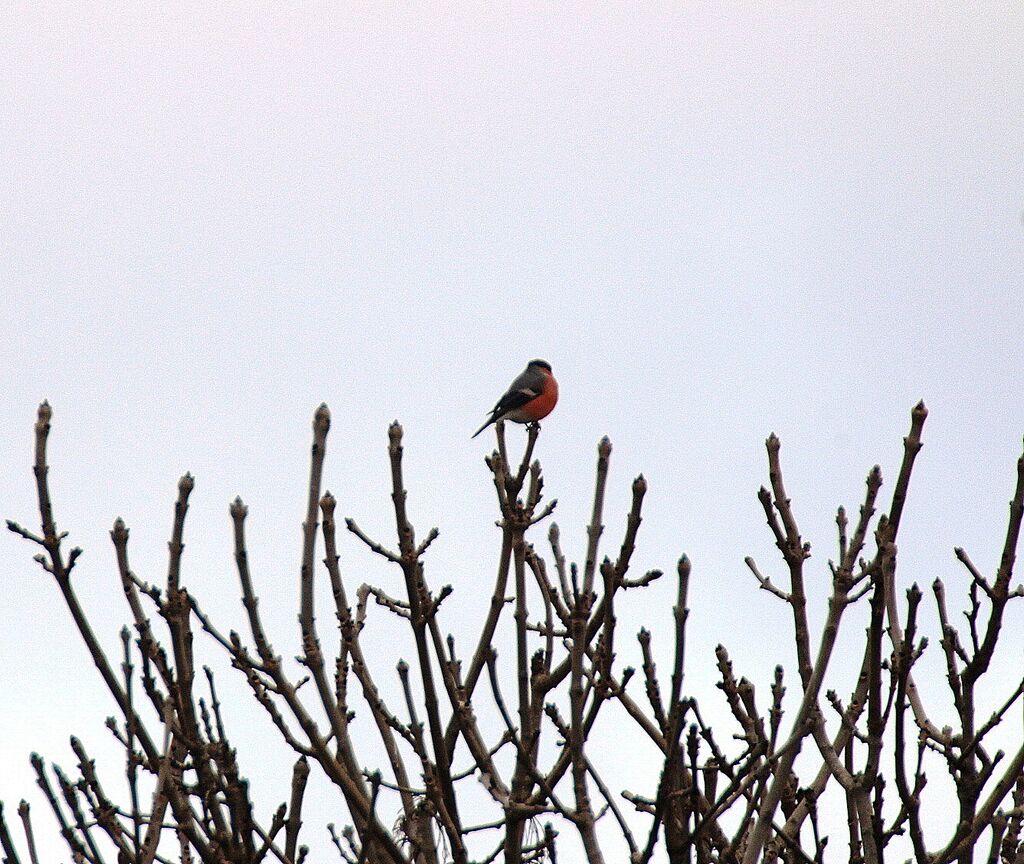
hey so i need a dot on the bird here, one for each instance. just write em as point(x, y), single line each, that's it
point(531, 397)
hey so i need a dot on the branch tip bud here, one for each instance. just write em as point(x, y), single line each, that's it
point(322, 418)
point(187, 483)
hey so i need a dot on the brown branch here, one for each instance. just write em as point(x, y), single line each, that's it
point(910, 798)
point(911, 447)
point(795, 552)
point(6, 843)
point(595, 528)
point(321, 425)
point(1000, 588)
point(800, 729)
point(30, 840)
point(419, 605)
point(300, 774)
point(343, 772)
point(384, 719)
point(584, 814)
point(61, 570)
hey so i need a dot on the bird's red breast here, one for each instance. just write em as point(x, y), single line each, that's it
point(540, 406)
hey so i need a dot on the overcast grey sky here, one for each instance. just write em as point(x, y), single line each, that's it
point(714, 220)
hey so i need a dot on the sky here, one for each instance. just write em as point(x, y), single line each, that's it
point(715, 221)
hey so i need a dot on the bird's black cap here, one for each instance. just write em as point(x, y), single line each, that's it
point(542, 363)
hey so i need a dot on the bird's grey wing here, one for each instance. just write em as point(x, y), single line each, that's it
point(528, 386)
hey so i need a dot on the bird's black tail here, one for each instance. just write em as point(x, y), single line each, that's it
point(481, 429)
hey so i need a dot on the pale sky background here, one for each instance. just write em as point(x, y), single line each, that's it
point(714, 220)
